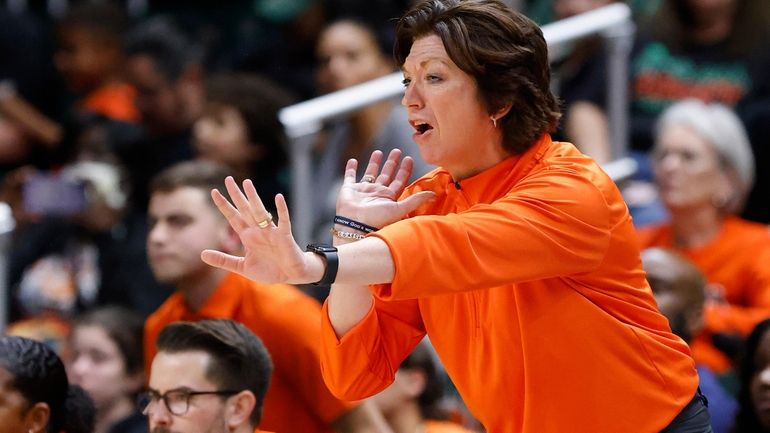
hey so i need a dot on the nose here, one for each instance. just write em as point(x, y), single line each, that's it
point(412, 97)
point(667, 162)
point(157, 234)
point(79, 367)
point(158, 415)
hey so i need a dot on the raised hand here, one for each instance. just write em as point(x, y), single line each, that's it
point(374, 200)
point(271, 254)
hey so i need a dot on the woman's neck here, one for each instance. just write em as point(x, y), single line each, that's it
point(112, 413)
point(695, 228)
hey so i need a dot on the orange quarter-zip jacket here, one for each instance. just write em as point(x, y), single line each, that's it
point(528, 281)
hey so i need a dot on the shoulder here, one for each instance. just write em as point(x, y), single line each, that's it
point(656, 235)
point(278, 302)
point(168, 311)
point(748, 233)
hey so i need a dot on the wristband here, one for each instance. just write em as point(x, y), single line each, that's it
point(346, 235)
point(353, 224)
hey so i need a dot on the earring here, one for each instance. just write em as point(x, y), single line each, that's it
point(494, 121)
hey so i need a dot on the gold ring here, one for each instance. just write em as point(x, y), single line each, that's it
point(265, 222)
point(367, 179)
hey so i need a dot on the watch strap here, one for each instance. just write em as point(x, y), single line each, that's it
point(329, 254)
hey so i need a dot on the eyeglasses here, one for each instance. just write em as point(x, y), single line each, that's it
point(177, 401)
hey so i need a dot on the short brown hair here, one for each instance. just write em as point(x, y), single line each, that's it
point(502, 49)
point(239, 359)
point(204, 175)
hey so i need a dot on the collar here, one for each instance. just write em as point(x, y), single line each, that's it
point(223, 303)
point(491, 183)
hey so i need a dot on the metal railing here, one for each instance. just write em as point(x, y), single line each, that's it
point(302, 121)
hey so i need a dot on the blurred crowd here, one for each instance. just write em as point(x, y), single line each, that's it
point(115, 122)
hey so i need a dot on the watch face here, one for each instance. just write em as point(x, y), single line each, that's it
point(319, 248)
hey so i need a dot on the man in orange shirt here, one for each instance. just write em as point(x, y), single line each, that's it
point(183, 222)
point(209, 376)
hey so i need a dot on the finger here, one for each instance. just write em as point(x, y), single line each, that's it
point(414, 201)
point(284, 221)
point(239, 200)
point(389, 168)
point(403, 175)
point(221, 260)
point(230, 213)
point(374, 165)
point(350, 171)
point(257, 209)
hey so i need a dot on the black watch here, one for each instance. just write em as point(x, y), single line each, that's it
point(329, 253)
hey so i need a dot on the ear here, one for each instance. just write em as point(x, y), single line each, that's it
point(36, 419)
point(502, 112)
point(239, 408)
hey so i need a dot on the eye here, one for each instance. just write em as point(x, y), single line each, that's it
point(432, 78)
point(176, 396)
point(406, 82)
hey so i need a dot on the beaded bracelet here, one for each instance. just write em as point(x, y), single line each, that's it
point(353, 224)
point(347, 235)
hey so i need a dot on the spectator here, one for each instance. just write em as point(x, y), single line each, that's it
point(36, 396)
point(703, 169)
point(240, 129)
point(163, 66)
point(349, 53)
point(680, 291)
point(414, 401)
point(83, 250)
point(184, 222)
point(107, 362)
point(753, 416)
point(90, 58)
point(576, 76)
point(218, 362)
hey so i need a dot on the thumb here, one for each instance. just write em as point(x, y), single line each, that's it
point(416, 200)
point(221, 260)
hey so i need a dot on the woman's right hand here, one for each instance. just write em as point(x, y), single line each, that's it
point(374, 199)
point(271, 255)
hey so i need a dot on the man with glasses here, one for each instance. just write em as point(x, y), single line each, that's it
point(209, 376)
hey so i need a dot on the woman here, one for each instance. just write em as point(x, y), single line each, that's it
point(350, 52)
point(704, 169)
point(754, 396)
point(516, 257)
point(240, 129)
point(35, 396)
point(107, 362)
point(414, 401)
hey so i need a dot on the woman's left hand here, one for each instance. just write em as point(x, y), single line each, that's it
point(374, 200)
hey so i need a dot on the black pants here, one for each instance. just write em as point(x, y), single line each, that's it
point(694, 418)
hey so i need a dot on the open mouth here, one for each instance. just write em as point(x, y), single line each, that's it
point(421, 127)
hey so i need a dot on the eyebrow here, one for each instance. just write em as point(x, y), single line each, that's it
point(426, 61)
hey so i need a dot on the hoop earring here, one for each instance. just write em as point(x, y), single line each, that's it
point(494, 121)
